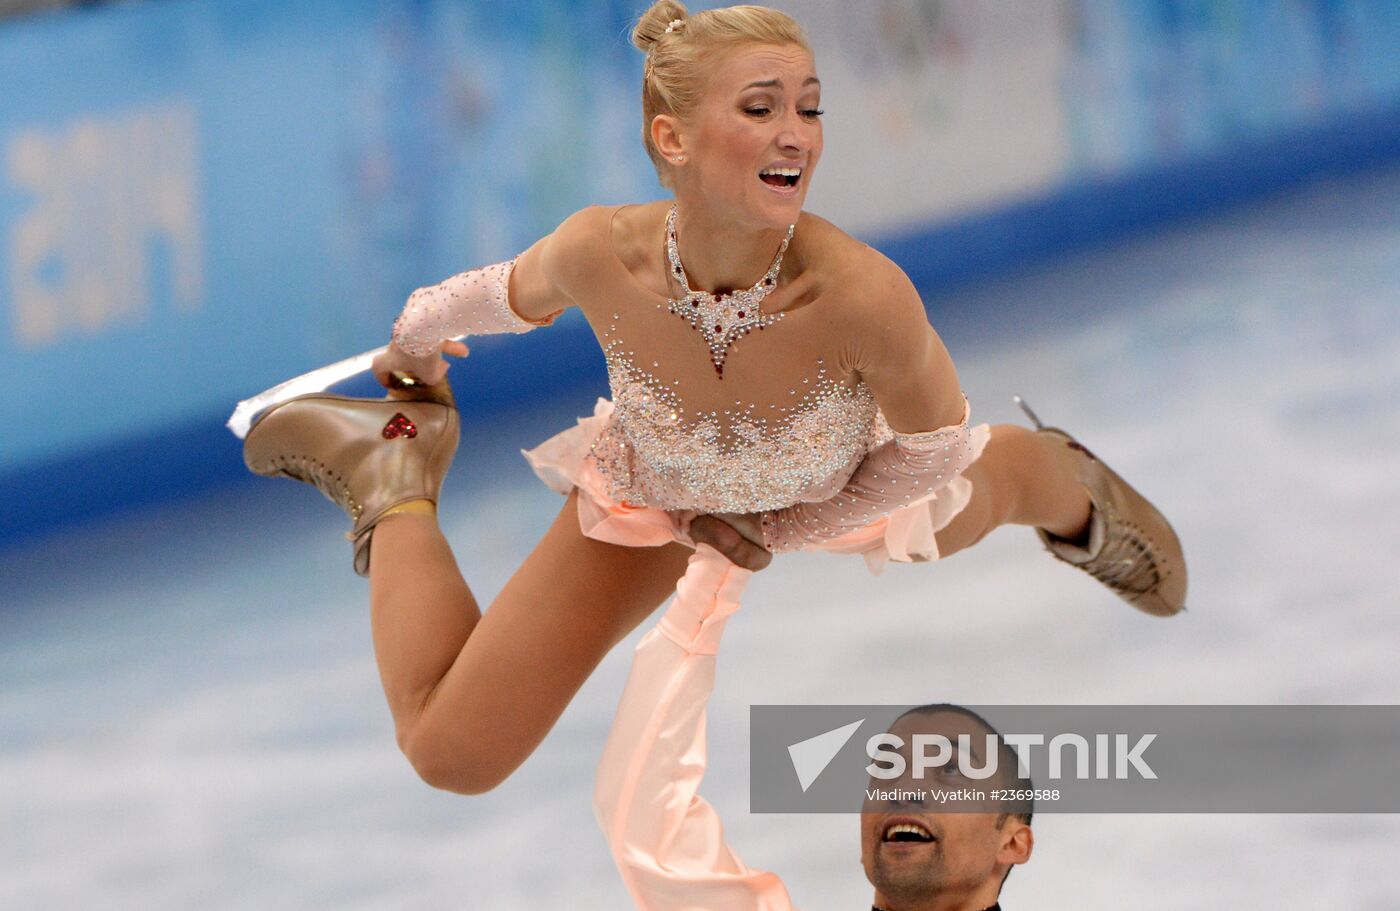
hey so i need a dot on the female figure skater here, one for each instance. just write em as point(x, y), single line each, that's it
point(775, 386)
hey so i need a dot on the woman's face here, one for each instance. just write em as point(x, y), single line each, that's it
point(760, 112)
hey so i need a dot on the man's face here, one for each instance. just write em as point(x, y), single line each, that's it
point(910, 851)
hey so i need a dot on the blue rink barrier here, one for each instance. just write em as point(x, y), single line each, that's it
point(226, 193)
point(1090, 212)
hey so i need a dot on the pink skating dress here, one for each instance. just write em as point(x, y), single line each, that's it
point(749, 404)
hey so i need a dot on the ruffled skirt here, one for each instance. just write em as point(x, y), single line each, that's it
point(564, 462)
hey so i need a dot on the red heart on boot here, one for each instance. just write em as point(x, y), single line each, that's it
point(398, 426)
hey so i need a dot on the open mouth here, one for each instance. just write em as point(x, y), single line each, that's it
point(907, 832)
point(780, 178)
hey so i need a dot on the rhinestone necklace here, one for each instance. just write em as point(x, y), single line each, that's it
point(725, 318)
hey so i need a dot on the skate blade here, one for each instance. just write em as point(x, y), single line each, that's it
point(318, 380)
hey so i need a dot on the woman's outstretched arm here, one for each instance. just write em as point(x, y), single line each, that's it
point(513, 296)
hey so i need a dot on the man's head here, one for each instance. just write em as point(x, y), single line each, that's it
point(914, 848)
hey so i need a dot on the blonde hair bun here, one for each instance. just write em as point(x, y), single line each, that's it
point(654, 22)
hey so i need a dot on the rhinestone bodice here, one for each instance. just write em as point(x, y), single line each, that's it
point(766, 420)
point(751, 457)
point(787, 421)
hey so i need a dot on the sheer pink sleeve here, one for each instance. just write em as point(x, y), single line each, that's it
point(909, 468)
point(475, 302)
point(668, 841)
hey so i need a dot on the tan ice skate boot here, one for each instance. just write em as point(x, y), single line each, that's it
point(366, 455)
point(1131, 548)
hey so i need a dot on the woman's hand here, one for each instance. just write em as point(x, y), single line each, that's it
point(738, 536)
point(427, 370)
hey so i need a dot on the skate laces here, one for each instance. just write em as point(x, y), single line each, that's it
point(1126, 562)
point(315, 472)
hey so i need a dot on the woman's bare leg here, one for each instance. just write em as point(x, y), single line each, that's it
point(472, 695)
point(1021, 478)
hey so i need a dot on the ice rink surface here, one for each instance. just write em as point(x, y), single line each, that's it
point(190, 715)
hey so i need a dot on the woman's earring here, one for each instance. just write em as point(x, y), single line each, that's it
point(678, 158)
